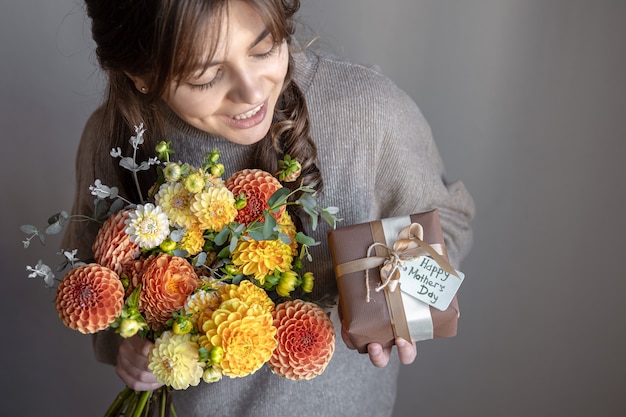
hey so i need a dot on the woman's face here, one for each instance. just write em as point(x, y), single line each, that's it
point(235, 97)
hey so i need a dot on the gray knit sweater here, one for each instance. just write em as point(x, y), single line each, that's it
point(378, 160)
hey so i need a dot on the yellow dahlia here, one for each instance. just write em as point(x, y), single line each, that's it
point(112, 247)
point(245, 334)
point(201, 305)
point(89, 298)
point(192, 240)
point(148, 226)
point(288, 227)
point(262, 258)
point(214, 208)
point(258, 186)
point(249, 293)
point(166, 283)
point(174, 360)
point(175, 200)
point(306, 340)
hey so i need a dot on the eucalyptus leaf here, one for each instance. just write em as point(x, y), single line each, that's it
point(54, 228)
point(180, 253)
point(269, 225)
point(29, 229)
point(304, 239)
point(279, 198)
point(116, 206)
point(257, 235)
point(222, 236)
point(224, 253)
point(284, 237)
point(233, 244)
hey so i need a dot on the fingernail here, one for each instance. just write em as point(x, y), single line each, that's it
point(401, 342)
point(375, 350)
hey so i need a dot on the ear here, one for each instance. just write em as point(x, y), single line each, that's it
point(139, 82)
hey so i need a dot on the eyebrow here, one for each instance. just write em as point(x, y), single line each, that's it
point(254, 43)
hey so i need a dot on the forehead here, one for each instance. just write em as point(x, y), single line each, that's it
point(236, 26)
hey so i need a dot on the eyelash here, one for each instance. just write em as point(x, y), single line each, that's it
point(218, 76)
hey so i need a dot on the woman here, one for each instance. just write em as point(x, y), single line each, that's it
point(228, 74)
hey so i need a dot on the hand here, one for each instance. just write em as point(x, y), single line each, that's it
point(407, 352)
point(132, 364)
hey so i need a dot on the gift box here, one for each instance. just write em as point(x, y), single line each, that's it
point(374, 309)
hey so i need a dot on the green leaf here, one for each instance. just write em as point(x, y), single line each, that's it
point(29, 229)
point(222, 236)
point(257, 235)
point(54, 228)
point(233, 244)
point(279, 198)
point(224, 253)
point(269, 225)
point(304, 239)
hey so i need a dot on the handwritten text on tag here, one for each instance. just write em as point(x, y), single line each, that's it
point(425, 280)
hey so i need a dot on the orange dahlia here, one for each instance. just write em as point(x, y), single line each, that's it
point(132, 271)
point(258, 186)
point(89, 298)
point(112, 247)
point(166, 282)
point(306, 340)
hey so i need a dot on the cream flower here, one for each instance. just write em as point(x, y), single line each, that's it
point(174, 360)
point(175, 200)
point(147, 226)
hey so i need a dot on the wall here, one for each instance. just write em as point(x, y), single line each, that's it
point(527, 102)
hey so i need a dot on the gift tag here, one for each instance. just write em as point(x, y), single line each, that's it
point(425, 280)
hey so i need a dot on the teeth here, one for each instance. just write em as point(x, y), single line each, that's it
point(249, 114)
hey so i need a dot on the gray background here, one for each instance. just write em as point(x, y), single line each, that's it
point(527, 101)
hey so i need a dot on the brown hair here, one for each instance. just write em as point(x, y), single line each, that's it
point(157, 41)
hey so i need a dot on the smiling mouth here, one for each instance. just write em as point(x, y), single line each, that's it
point(248, 114)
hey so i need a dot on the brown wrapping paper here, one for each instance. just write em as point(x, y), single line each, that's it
point(371, 322)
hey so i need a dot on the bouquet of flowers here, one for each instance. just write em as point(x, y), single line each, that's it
point(206, 268)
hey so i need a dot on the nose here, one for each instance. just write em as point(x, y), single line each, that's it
point(247, 87)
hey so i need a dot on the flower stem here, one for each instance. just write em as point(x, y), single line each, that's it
point(141, 403)
point(119, 403)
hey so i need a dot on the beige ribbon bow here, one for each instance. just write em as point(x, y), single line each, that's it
point(409, 246)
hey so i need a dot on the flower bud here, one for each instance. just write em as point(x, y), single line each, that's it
point(287, 283)
point(217, 170)
point(194, 182)
point(128, 328)
point(172, 172)
point(167, 245)
point(216, 354)
point(182, 325)
point(241, 201)
point(212, 374)
point(307, 282)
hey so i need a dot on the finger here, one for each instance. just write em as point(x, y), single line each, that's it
point(407, 352)
point(378, 356)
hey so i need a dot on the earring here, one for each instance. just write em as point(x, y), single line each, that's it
point(143, 90)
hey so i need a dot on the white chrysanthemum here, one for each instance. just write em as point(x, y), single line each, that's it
point(174, 200)
point(174, 361)
point(148, 226)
